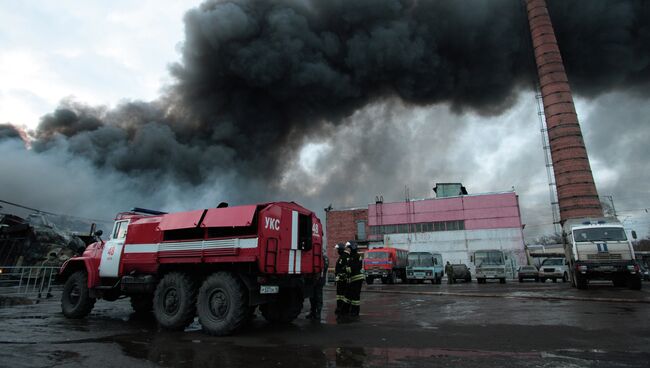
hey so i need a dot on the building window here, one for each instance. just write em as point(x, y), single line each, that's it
point(423, 227)
point(361, 230)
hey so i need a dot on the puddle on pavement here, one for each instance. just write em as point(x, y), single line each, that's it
point(172, 350)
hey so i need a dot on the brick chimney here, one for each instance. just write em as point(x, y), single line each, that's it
point(576, 190)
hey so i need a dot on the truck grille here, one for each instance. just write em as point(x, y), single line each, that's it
point(604, 257)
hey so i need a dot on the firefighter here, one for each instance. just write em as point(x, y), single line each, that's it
point(355, 278)
point(341, 280)
point(316, 301)
point(449, 270)
point(48, 271)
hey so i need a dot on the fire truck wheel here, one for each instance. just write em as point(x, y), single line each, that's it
point(222, 305)
point(142, 303)
point(174, 302)
point(75, 302)
point(285, 309)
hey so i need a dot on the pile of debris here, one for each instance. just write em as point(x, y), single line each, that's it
point(34, 240)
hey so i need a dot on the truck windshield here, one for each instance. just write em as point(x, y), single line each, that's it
point(420, 260)
point(553, 262)
point(377, 255)
point(598, 234)
point(488, 258)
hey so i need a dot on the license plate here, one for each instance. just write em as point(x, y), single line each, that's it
point(269, 289)
point(605, 268)
point(419, 274)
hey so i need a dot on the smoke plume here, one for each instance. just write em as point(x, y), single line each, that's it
point(259, 79)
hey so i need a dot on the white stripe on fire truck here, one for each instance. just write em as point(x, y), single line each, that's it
point(248, 243)
point(298, 260)
point(294, 229)
point(291, 261)
point(294, 242)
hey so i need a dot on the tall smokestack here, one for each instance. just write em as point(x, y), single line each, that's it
point(576, 190)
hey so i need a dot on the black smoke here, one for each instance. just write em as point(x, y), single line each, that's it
point(255, 76)
point(8, 131)
point(258, 78)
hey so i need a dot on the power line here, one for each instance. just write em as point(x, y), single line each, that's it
point(51, 213)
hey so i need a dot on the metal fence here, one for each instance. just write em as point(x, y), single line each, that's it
point(34, 281)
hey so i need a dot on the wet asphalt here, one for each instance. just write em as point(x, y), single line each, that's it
point(460, 325)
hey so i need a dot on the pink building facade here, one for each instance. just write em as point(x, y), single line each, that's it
point(455, 226)
point(483, 211)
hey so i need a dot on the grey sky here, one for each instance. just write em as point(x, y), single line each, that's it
point(102, 53)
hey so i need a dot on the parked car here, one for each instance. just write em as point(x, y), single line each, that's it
point(528, 272)
point(645, 274)
point(554, 269)
point(461, 272)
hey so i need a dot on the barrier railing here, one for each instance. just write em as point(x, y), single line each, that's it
point(32, 281)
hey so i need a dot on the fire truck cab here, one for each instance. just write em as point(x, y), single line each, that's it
point(217, 263)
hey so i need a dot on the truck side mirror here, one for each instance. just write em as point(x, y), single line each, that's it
point(471, 259)
point(633, 234)
point(99, 233)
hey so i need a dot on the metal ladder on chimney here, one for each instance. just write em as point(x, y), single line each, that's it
point(552, 188)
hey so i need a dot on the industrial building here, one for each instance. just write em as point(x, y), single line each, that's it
point(454, 223)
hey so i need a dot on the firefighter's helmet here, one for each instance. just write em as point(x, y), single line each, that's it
point(351, 245)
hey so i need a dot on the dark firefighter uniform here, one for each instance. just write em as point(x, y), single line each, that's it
point(341, 279)
point(449, 270)
point(355, 280)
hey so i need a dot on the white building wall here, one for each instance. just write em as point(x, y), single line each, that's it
point(458, 246)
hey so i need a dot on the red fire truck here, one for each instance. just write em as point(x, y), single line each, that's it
point(385, 263)
point(220, 263)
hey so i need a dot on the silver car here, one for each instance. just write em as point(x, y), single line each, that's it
point(554, 269)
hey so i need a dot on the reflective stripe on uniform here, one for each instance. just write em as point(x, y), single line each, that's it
point(355, 302)
point(356, 278)
point(342, 298)
point(348, 269)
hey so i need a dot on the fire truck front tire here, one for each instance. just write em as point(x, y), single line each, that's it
point(222, 304)
point(174, 302)
point(75, 300)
